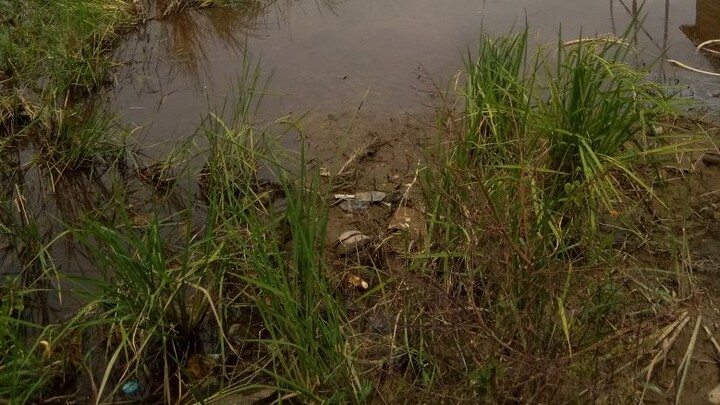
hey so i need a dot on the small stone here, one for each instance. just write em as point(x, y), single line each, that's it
point(398, 361)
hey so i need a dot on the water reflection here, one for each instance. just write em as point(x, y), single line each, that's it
point(185, 38)
point(182, 39)
point(327, 55)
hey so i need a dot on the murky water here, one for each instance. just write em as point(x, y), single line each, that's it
point(329, 57)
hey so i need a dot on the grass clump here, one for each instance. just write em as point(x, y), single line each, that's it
point(24, 370)
point(548, 152)
point(274, 224)
point(168, 289)
point(53, 57)
point(566, 130)
point(597, 122)
point(50, 50)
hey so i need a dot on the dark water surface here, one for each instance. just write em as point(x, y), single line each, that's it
point(327, 56)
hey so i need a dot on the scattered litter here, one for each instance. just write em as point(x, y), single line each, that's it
point(354, 205)
point(359, 201)
point(371, 196)
point(130, 388)
point(714, 396)
point(351, 242)
point(366, 196)
point(408, 220)
point(356, 281)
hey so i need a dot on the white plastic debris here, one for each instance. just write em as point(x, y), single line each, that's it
point(351, 242)
point(714, 396)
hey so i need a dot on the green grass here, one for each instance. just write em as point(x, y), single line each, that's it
point(531, 175)
point(278, 254)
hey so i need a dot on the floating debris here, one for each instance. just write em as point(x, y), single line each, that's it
point(351, 242)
